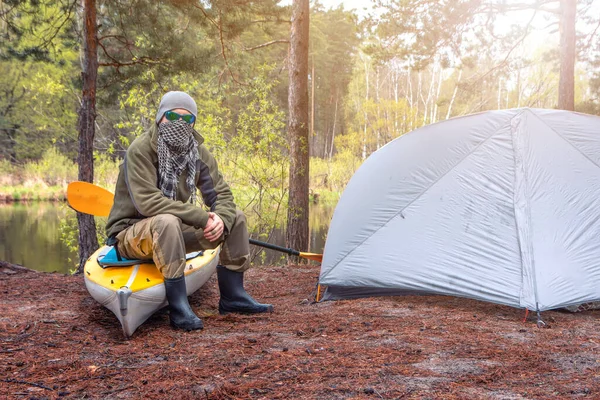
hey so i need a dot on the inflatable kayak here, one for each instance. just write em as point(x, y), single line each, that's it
point(133, 289)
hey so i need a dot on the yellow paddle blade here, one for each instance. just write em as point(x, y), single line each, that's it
point(89, 199)
point(312, 256)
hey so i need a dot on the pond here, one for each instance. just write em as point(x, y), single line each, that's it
point(30, 235)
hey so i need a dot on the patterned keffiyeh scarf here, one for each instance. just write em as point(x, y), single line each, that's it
point(177, 150)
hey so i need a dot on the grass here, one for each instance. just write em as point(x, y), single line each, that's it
point(36, 192)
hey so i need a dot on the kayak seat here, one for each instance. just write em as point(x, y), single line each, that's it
point(109, 257)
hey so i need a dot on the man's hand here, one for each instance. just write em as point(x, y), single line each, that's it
point(214, 227)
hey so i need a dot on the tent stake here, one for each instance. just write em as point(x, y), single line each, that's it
point(526, 314)
point(318, 293)
point(540, 322)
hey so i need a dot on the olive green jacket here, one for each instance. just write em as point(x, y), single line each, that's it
point(137, 195)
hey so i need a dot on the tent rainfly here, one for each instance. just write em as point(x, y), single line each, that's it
point(501, 206)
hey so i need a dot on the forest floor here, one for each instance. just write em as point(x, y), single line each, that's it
point(57, 342)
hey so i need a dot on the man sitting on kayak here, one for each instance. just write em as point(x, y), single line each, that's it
point(155, 215)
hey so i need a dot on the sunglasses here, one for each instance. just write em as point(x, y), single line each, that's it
point(173, 116)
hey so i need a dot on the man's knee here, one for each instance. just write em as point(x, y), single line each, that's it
point(240, 218)
point(165, 222)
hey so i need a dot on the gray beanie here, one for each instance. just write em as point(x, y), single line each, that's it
point(173, 100)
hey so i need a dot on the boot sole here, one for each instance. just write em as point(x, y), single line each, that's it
point(187, 329)
point(245, 312)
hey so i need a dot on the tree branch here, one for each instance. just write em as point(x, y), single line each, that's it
point(48, 39)
point(118, 64)
point(592, 36)
point(198, 6)
point(266, 44)
point(223, 53)
point(515, 45)
point(285, 21)
point(10, 380)
point(15, 267)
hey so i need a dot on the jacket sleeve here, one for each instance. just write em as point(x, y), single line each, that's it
point(216, 194)
point(148, 199)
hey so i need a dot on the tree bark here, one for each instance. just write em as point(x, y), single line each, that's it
point(88, 242)
point(312, 104)
point(297, 221)
point(566, 84)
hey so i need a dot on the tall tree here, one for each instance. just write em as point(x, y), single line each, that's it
point(88, 241)
point(297, 221)
point(566, 84)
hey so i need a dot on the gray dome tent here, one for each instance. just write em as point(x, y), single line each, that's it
point(501, 206)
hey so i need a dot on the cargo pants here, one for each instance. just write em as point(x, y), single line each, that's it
point(166, 240)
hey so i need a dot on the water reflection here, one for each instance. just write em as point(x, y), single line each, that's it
point(30, 236)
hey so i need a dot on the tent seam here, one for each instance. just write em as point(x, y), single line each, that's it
point(566, 140)
point(502, 126)
point(525, 222)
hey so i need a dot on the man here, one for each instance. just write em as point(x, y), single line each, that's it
point(154, 215)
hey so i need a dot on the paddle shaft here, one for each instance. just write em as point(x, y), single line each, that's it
point(291, 252)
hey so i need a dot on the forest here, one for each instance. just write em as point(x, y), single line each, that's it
point(373, 74)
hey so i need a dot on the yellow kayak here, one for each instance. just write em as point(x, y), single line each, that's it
point(133, 293)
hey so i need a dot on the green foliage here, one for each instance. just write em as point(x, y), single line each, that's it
point(53, 169)
point(7, 171)
point(255, 159)
point(333, 43)
point(333, 175)
point(69, 235)
point(38, 64)
point(32, 192)
point(106, 170)
point(30, 28)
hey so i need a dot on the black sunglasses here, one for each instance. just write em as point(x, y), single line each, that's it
point(173, 116)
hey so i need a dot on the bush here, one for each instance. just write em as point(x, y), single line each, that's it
point(106, 170)
point(333, 175)
point(53, 169)
point(9, 175)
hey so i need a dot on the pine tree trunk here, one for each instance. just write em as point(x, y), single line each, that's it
point(566, 84)
point(88, 243)
point(297, 220)
point(312, 106)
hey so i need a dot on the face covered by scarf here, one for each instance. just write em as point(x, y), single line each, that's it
point(177, 150)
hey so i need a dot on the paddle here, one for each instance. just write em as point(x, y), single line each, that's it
point(88, 198)
point(292, 252)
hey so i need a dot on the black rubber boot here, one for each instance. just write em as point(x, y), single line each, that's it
point(180, 312)
point(234, 297)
